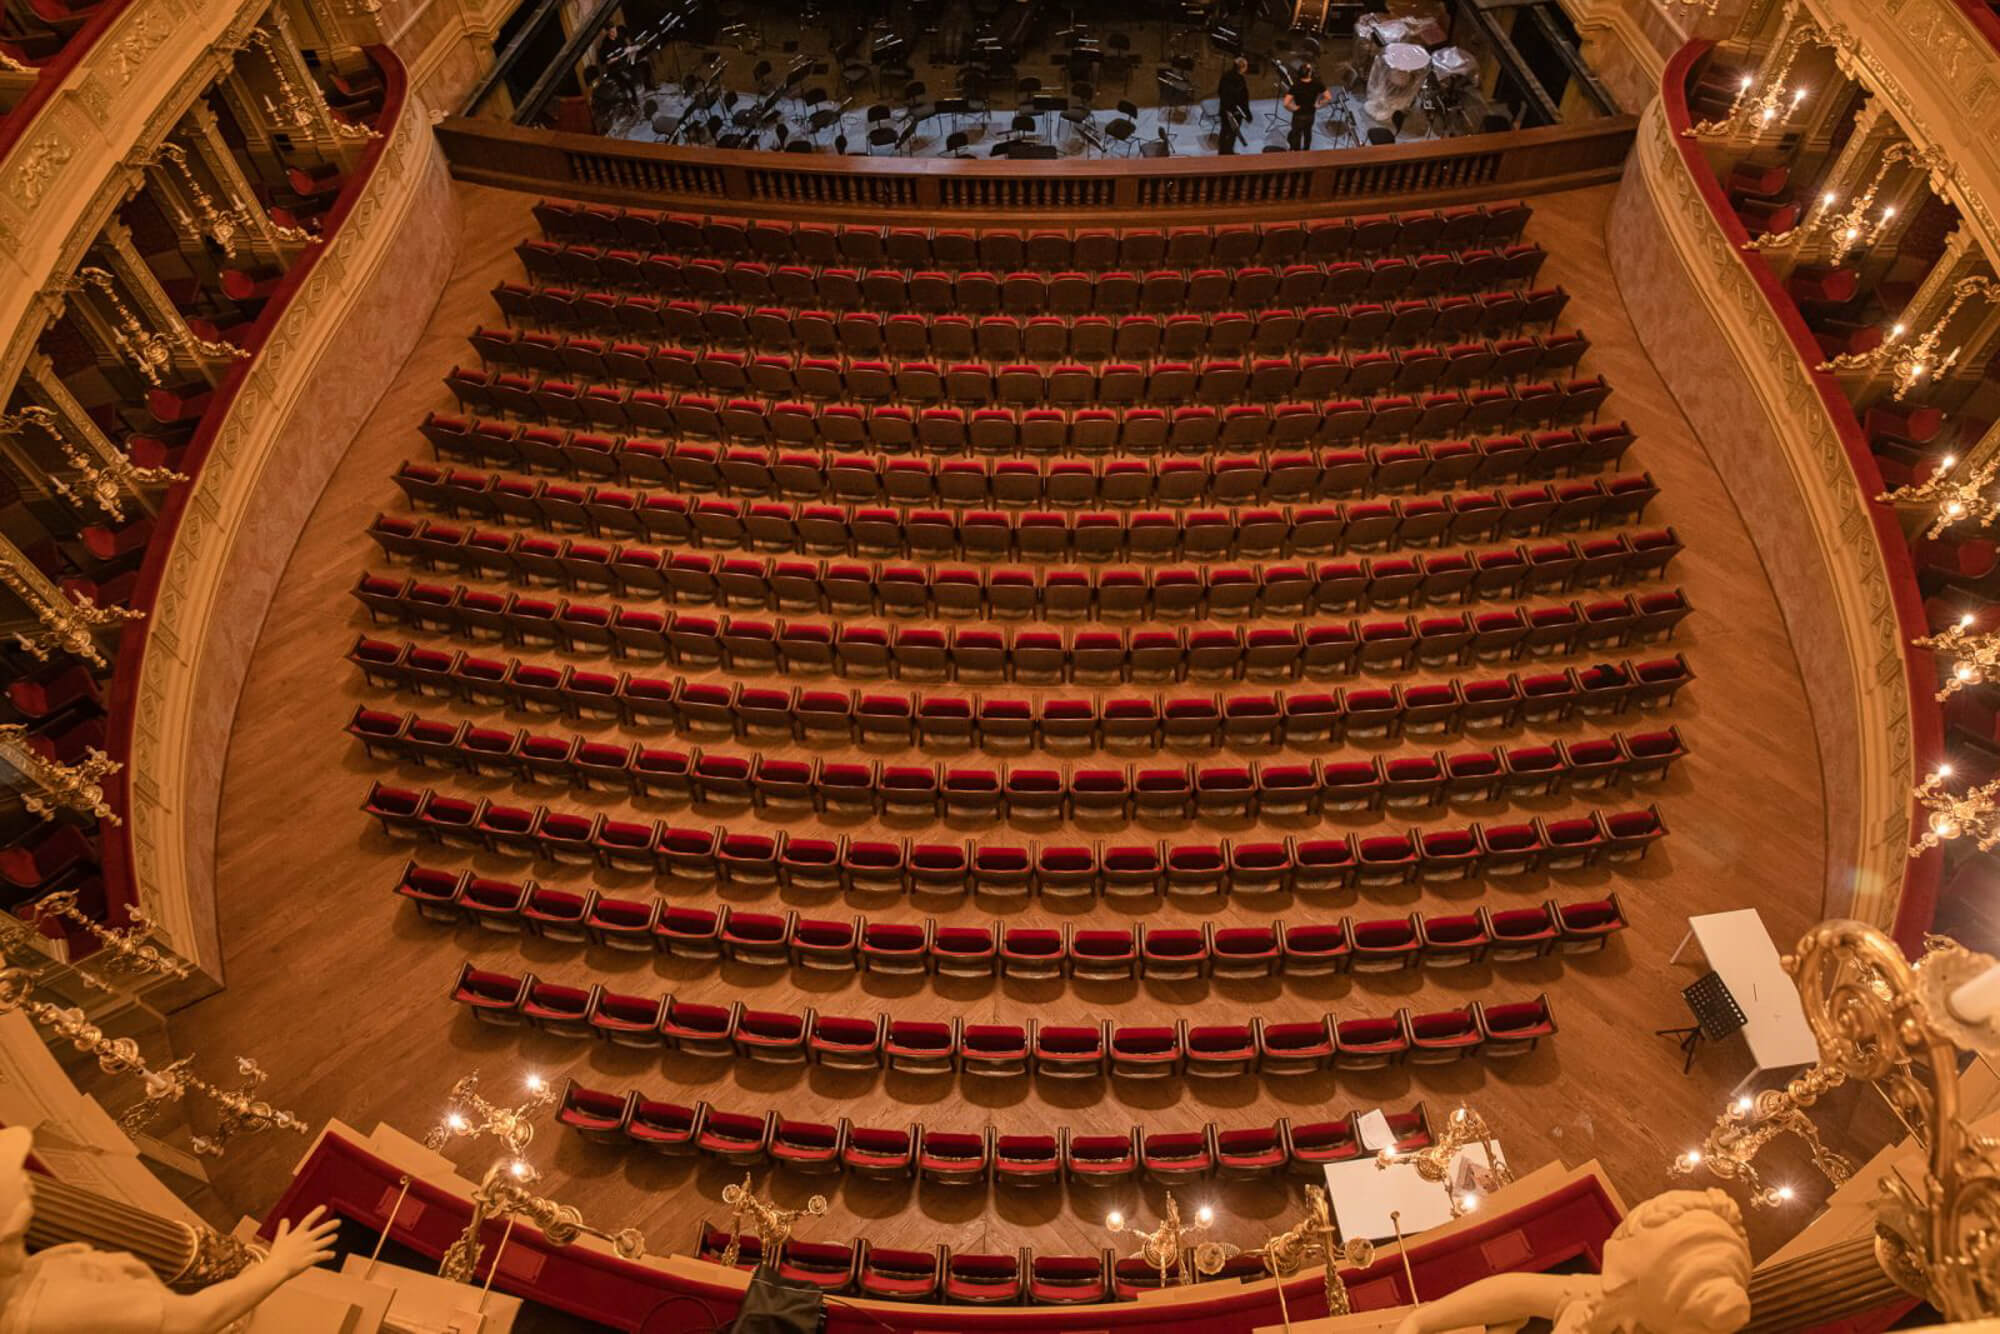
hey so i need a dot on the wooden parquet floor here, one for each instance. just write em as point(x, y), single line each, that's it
point(340, 989)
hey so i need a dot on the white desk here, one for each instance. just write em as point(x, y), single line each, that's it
point(1364, 1195)
point(1738, 947)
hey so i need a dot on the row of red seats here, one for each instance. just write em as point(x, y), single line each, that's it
point(1015, 792)
point(1023, 591)
point(959, 1277)
point(956, 1158)
point(1326, 528)
point(1086, 656)
point(1435, 940)
point(664, 274)
point(1272, 330)
point(1195, 870)
point(1242, 425)
point(1289, 373)
point(844, 717)
point(1088, 247)
point(1135, 1051)
point(1218, 380)
point(1004, 459)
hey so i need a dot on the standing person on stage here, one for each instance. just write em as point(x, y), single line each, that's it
point(1308, 95)
point(1233, 93)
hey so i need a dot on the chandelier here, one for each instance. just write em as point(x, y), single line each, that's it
point(1977, 657)
point(1952, 817)
point(1964, 498)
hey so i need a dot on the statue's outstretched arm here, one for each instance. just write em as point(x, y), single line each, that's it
point(293, 1251)
point(1504, 1300)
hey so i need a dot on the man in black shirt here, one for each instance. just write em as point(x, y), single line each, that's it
point(1307, 96)
point(1234, 96)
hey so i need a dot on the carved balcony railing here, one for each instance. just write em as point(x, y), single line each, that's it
point(137, 782)
point(1456, 170)
point(1873, 539)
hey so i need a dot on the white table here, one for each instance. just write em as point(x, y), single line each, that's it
point(1364, 1195)
point(1737, 946)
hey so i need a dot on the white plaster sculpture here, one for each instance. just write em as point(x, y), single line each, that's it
point(1678, 1264)
point(73, 1289)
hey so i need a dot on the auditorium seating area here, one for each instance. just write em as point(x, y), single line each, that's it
point(1015, 623)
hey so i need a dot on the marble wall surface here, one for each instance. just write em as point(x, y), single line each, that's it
point(387, 309)
point(1701, 363)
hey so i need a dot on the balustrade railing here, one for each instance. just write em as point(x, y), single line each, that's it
point(1463, 169)
point(1918, 898)
point(120, 880)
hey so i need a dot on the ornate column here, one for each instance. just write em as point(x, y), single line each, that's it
point(300, 110)
point(1817, 235)
point(267, 237)
point(129, 267)
point(185, 1255)
point(68, 625)
point(249, 113)
point(108, 479)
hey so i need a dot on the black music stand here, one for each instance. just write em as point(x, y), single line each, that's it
point(1716, 1015)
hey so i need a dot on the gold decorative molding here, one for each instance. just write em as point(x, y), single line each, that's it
point(1941, 80)
point(1867, 853)
point(166, 734)
point(71, 169)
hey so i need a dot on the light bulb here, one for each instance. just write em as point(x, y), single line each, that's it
point(1943, 825)
point(1785, 1193)
point(1205, 1214)
point(1954, 508)
point(1944, 771)
point(1888, 211)
point(1693, 1157)
point(1768, 113)
point(1742, 1106)
point(518, 1168)
point(1114, 1220)
point(1963, 671)
point(1945, 465)
point(1827, 199)
point(535, 1084)
point(455, 1121)
point(1467, 1203)
point(1852, 232)
point(1745, 85)
point(1965, 620)
point(1798, 96)
point(1896, 331)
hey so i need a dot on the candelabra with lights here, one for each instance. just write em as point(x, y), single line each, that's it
point(1975, 658)
point(1747, 1125)
point(1435, 1161)
point(504, 1193)
point(773, 1225)
point(469, 1115)
point(1950, 817)
point(1167, 1248)
point(1956, 499)
point(1910, 364)
point(1314, 1237)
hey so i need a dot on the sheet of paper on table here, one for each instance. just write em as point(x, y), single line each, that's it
point(1364, 1195)
point(1373, 1129)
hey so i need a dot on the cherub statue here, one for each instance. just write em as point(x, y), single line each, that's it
point(73, 1289)
point(1678, 1264)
